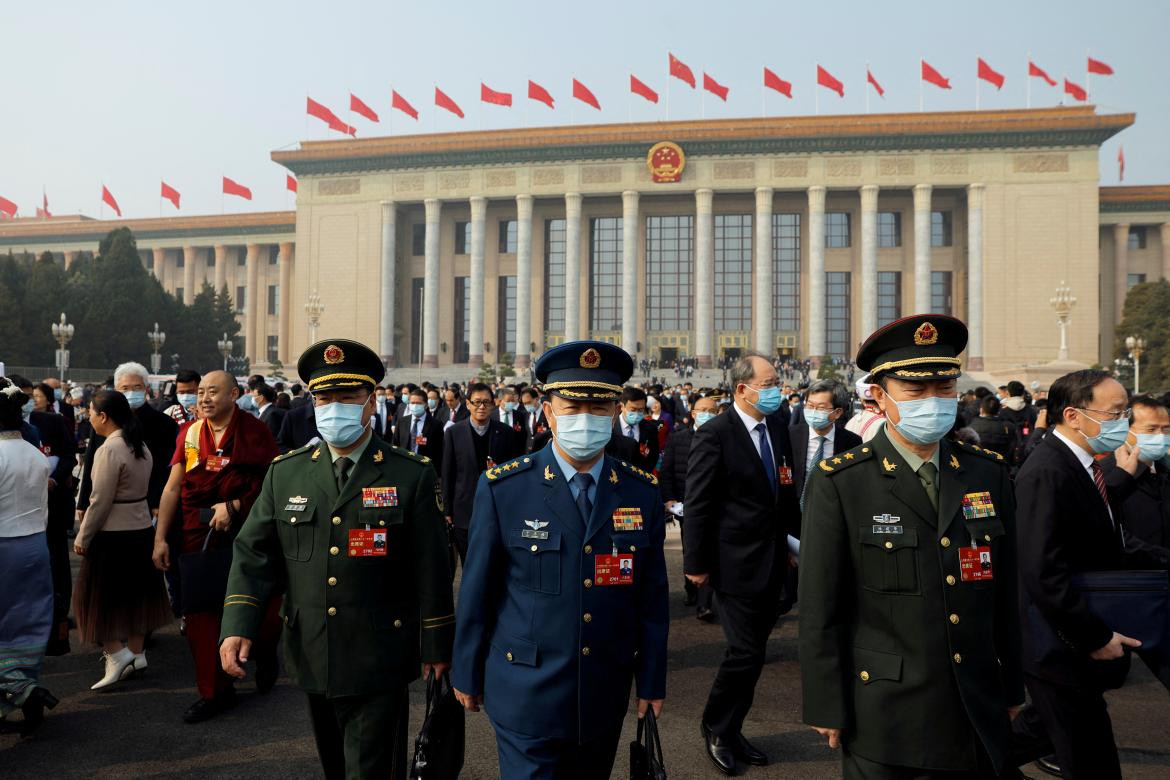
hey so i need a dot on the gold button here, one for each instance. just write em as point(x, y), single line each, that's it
point(950, 579)
point(864, 676)
point(337, 521)
point(954, 619)
point(535, 548)
point(889, 545)
point(508, 656)
point(587, 618)
point(382, 522)
point(332, 580)
point(958, 658)
point(987, 537)
point(588, 583)
point(285, 618)
point(332, 611)
point(584, 651)
point(633, 548)
point(292, 521)
point(945, 541)
point(398, 624)
point(334, 550)
point(588, 549)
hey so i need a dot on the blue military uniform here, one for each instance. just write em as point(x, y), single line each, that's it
point(559, 610)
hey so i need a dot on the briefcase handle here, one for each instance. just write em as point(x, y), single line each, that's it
point(648, 736)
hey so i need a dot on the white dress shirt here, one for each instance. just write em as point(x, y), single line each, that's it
point(814, 439)
point(629, 431)
point(750, 423)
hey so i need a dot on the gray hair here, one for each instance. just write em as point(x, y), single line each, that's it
point(743, 370)
point(839, 391)
point(136, 369)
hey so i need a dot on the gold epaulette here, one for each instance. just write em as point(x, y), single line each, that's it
point(989, 454)
point(405, 453)
point(637, 472)
point(846, 459)
point(508, 469)
point(290, 453)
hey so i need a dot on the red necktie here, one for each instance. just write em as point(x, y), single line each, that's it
point(1099, 481)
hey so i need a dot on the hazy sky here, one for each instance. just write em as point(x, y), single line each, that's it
point(128, 93)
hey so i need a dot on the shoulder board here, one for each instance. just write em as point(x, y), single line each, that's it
point(637, 472)
point(291, 453)
point(508, 469)
point(846, 459)
point(407, 454)
point(963, 446)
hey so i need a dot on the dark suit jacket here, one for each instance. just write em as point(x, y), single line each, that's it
point(273, 417)
point(672, 477)
point(298, 428)
point(433, 433)
point(537, 431)
point(57, 440)
point(443, 413)
point(642, 453)
point(1145, 514)
point(461, 471)
point(160, 433)
point(736, 529)
point(798, 434)
point(519, 426)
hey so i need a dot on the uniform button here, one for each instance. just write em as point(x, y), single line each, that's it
point(332, 611)
point(588, 549)
point(337, 521)
point(950, 579)
point(398, 624)
point(292, 521)
point(958, 658)
point(633, 548)
point(381, 522)
point(332, 580)
point(584, 651)
point(508, 656)
point(535, 548)
point(864, 676)
point(334, 550)
point(954, 619)
point(945, 541)
point(987, 537)
point(587, 618)
point(588, 583)
point(889, 545)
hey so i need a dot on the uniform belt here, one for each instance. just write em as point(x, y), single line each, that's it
point(129, 500)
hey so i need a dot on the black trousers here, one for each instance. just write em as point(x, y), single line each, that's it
point(361, 736)
point(747, 622)
point(61, 511)
point(459, 541)
point(854, 767)
point(1075, 719)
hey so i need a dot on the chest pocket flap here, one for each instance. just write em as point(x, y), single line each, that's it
point(538, 561)
point(872, 665)
point(889, 560)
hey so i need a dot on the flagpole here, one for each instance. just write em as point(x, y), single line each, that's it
point(703, 100)
point(667, 97)
point(816, 99)
point(866, 87)
point(977, 80)
point(921, 93)
point(1028, 89)
point(1088, 86)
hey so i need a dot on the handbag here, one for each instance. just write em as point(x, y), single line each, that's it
point(203, 576)
point(438, 749)
point(646, 750)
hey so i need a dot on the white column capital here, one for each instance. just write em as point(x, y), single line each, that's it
point(572, 204)
point(869, 194)
point(1121, 233)
point(922, 191)
point(630, 197)
point(524, 201)
point(704, 198)
point(764, 197)
point(817, 192)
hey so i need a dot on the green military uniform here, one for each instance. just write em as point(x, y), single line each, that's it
point(909, 634)
point(365, 573)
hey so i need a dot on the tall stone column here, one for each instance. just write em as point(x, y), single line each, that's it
point(1165, 235)
point(69, 257)
point(252, 297)
point(704, 277)
point(221, 262)
point(160, 266)
point(523, 281)
point(389, 268)
point(475, 310)
point(869, 199)
point(1120, 270)
point(190, 254)
point(922, 248)
point(975, 277)
point(630, 272)
point(816, 273)
point(284, 335)
point(572, 266)
point(762, 281)
point(431, 284)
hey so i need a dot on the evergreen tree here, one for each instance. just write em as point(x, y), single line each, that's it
point(1147, 315)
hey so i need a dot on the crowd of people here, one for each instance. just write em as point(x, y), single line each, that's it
point(932, 541)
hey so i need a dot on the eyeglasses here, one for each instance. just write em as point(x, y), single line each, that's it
point(480, 403)
point(1109, 416)
point(813, 407)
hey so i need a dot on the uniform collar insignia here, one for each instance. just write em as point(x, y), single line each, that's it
point(378, 456)
point(887, 465)
point(548, 475)
point(954, 462)
point(316, 453)
point(613, 476)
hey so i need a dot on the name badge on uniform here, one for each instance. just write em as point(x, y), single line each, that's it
point(379, 497)
point(364, 543)
point(975, 564)
point(613, 570)
point(627, 519)
point(296, 504)
point(784, 473)
point(216, 463)
point(978, 505)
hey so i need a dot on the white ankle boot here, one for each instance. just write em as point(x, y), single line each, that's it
point(116, 663)
point(139, 665)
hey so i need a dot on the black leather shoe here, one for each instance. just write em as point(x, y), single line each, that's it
point(267, 670)
point(206, 709)
point(1049, 765)
point(706, 615)
point(34, 710)
point(718, 751)
point(747, 752)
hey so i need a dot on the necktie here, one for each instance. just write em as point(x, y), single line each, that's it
point(1099, 481)
point(766, 457)
point(928, 474)
point(584, 505)
point(816, 458)
point(417, 433)
point(341, 468)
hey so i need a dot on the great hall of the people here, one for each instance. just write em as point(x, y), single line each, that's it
point(787, 235)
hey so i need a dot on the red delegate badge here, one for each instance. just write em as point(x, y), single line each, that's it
point(785, 475)
point(217, 463)
point(975, 564)
point(614, 570)
point(365, 543)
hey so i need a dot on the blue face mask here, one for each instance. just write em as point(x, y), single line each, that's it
point(1152, 446)
point(768, 401)
point(633, 418)
point(1113, 434)
point(27, 409)
point(530, 408)
point(57, 393)
point(135, 398)
point(246, 402)
point(582, 436)
point(339, 424)
point(703, 417)
point(418, 410)
point(925, 420)
point(432, 404)
point(187, 400)
point(406, 398)
point(510, 406)
point(816, 418)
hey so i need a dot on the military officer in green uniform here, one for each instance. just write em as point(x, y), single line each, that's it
point(353, 530)
point(909, 634)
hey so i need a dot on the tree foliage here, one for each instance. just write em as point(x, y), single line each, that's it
point(1147, 315)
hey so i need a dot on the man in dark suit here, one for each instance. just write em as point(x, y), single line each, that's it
point(823, 413)
point(470, 448)
point(1070, 524)
point(511, 414)
point(1146, 513)
point(298, 429)
point(635, 439)
point(537, 432)
point(740, 506)
point(270, 414)
point(420, 433)
point(454, 408)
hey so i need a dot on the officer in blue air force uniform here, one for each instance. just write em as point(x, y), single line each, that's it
point(564, 595)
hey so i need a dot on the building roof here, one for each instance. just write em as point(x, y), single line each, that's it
point(1154, 197)
point(1042, 127)
point(56, 230)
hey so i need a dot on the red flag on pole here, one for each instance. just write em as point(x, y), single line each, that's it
point(234, 188)
point(401, 103)
point(489, 95)
point(869, 78)
point(170, 193)
point(442, 101)
point(1098, 67)
point(582, 93)
point(1121, 163)
point(356, 105)
point(290, 183)
point(932, 76)
point(772, 81)
point(108, 199)
point(988, 74)
point(826, 79)
point(640, 88)
point(1037, 71)
point(43, 211)
point(1077, 92)
point(714, 87)
point(680, 71)
point(7, 207)
point(315, 109)
point(537, 92)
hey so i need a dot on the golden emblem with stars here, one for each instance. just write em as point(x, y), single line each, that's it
point(334, 354)
point(590, 358)
point(926, 335)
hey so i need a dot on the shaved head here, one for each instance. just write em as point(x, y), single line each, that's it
point(218, 392)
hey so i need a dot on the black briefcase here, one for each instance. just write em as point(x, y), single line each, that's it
point(646, 751)
point(438, 750)
point(203, 576)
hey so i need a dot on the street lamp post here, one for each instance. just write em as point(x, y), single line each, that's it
point(63, 333)
point(1062, 303)
point(224, 346)
point(314, 309)
point(1136, 346)
point(157, 338)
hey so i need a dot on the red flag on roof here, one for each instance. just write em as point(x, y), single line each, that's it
point(322, 112)
point(1077, 92)
point(1121, 163)
point(869, 78)
point(582, 93)
point(290, 183)
point(401, 103)
point(108, 199)
point(988, 74)
point(932, 76)
point(826, 79)
point(7, 208)
point(170, 193)
point(772, 81)
point(714, 87)
point(1037, 71)
point(489, 95)
point(680, 71)
point(537, 92)
point(235, 188)
point(43, 209)
point(1096, 66)
point(356, 105)
point(442, 101)
point(638, 87)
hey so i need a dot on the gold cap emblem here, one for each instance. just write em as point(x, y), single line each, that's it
point(590, 358)
point(333, 354)
point(926, 335)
